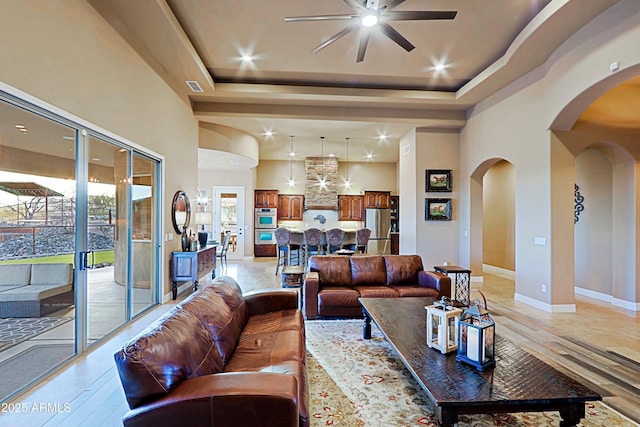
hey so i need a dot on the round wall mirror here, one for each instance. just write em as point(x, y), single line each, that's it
point(180, 211)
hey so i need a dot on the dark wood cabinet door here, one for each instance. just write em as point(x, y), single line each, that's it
point(290, 207)
point(350, 208)
point(297, 207)
point(266, 198)
point(377, 199)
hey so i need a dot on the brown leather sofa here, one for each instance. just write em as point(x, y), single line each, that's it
point(219, 359)
point(335, 282)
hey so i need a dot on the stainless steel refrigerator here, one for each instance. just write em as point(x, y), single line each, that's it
point(379, 222)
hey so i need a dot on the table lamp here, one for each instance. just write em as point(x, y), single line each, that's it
point(203, 218)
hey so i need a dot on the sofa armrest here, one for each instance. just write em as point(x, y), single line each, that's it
point(311, 288)
point(270, 300)
point(438, 281)
point(226, 400)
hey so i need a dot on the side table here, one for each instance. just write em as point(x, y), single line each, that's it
point(292, 278)
point(461, 279)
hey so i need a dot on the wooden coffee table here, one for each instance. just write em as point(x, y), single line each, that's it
point(519, 382)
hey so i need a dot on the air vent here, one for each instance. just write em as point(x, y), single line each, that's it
point(194, 86)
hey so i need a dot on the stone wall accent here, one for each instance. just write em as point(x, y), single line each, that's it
point(315, 196)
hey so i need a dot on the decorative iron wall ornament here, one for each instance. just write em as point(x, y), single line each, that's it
point(578, 206)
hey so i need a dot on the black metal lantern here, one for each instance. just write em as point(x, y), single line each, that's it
point(476, 338)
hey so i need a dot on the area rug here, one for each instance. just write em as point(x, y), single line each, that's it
point(357, 382)
point(30, 364)
point(16, 330)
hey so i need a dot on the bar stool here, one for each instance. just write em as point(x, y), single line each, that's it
point(335, 240)
point(312, 242)
point(285, 248)
point(362, 239)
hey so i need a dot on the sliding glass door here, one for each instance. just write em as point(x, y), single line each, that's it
point(79, 243)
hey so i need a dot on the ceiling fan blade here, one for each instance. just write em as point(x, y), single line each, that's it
point(419, 15)
point(339, 35)
point(393, 3)
point(354, 4)
point(362, 48)
point(390, 32)
point(319, 18)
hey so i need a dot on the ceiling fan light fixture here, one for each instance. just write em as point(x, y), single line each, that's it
point(369, 20)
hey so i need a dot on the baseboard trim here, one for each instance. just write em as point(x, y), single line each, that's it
point(633, 306)
point(594, 294)
point(550, 308)
point(499, 271)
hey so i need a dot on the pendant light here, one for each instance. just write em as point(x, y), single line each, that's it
point(347, 183)
point(323, 179)
point(292, 153)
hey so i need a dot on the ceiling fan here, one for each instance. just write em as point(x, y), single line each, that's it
point(370, 14)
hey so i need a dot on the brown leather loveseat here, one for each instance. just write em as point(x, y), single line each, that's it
point(335, 282)
point(219, 359)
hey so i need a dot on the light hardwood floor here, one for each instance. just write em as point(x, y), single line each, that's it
point(599, 345)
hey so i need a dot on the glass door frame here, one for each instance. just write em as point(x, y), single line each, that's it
point(83, 131)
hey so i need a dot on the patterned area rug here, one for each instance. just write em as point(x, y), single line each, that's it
point(357, 382)
point(16, 330)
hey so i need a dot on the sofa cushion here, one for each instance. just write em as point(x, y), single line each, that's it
point(52, 274)
point(258, 350)
point(215, 315)
point(33, 292)
point(415, 291)
point(403, 269)
point(227, 334)
point(368, 271)
point(338, 297)
point(376, 292)
point(283, 320)
point(15, 275)
point(334, 270)
point(174, 348)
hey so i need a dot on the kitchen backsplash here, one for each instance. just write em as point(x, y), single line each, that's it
point(313, 218)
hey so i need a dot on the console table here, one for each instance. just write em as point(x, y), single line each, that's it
point(191, 266)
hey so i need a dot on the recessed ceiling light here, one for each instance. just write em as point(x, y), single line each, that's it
point(382, 137)
point(268, 133)
point(19, 126)
point(96, 159)
point(439, 67)
point(292, 154)
point(69, 138)
point(331, 155)
point(369, 156)
point(246, 58)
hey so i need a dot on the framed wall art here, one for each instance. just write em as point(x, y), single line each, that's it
point(437, 209)
point(438, 180)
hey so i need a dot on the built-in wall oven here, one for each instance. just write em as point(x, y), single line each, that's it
point(266, 218)
point(266, 222)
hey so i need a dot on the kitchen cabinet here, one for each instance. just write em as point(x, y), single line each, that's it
point(266, 199)
point(290, 206)
point(395, 243)
point(377, 199)
point(350, 208)
point(395, 213)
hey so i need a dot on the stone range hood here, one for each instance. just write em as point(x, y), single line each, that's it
point(316, 197)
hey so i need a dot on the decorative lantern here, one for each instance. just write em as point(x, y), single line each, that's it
point(442, 326)
point(476, 338)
